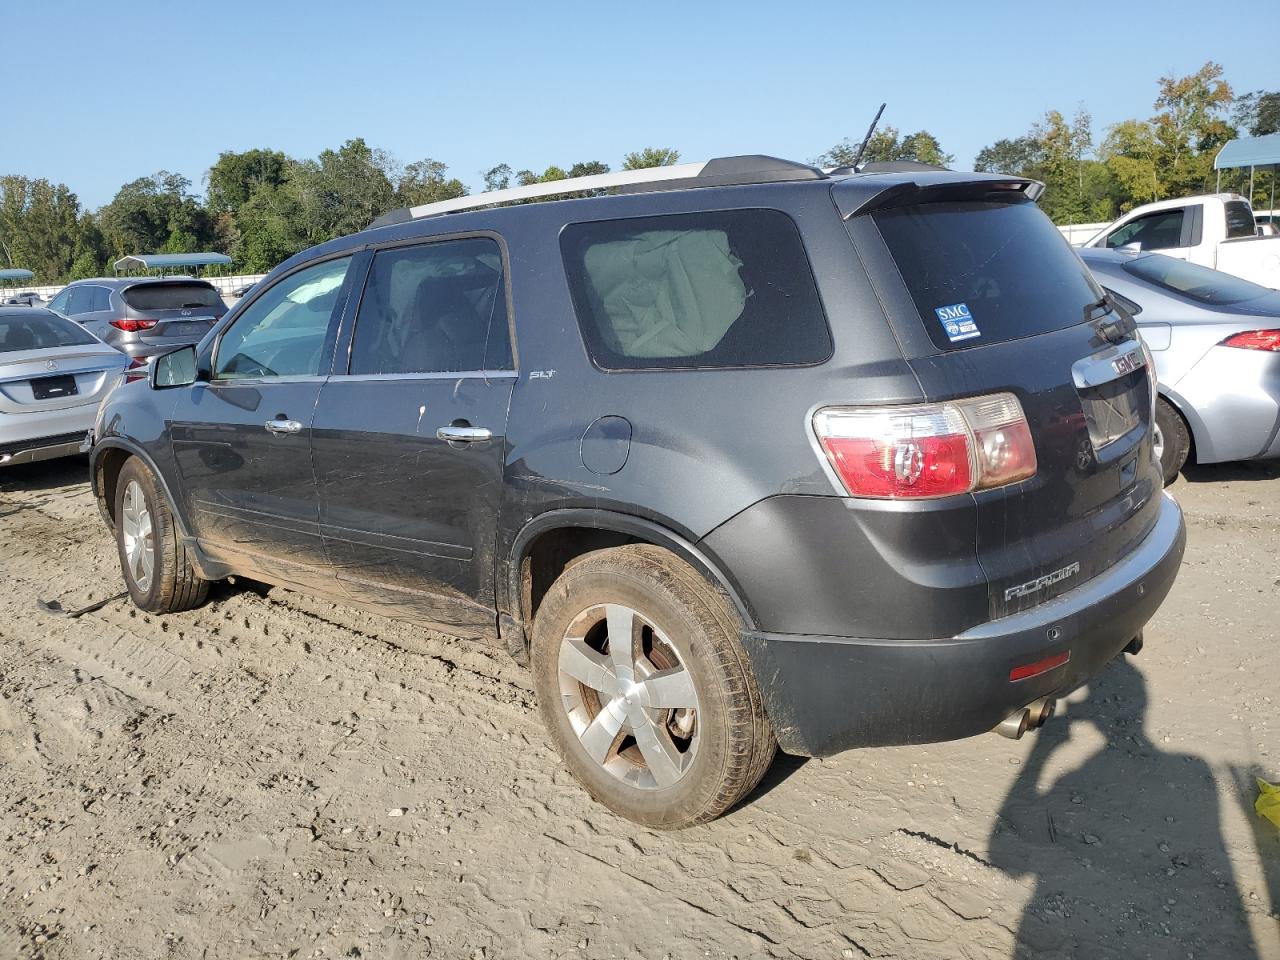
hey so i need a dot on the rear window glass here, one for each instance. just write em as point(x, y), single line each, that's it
point(1192, 280)
point(728, 288)
point(1239, 220)
point(172, 296)
point(982, 272)
point(39, 331)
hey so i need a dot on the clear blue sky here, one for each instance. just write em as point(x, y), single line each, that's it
point(107, 92)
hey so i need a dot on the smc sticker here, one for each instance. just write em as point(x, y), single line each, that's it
point(957, 321)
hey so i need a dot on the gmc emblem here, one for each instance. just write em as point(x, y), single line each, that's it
point(1128, 363)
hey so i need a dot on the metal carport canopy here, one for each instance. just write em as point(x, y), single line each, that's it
point(167, 261)
point(1249, 152)
point(15, 274)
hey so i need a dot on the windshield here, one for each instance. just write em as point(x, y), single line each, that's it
point(1192, 280)
point(982, 272)
point(38, 330)
point(172, 296)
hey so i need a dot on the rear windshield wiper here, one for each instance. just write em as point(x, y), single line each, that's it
point(1099, 308)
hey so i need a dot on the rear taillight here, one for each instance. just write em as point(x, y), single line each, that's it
point(133, 326)
point(1255, 340)
point(927, 449)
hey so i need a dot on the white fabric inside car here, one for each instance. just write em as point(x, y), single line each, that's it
point(667, 293)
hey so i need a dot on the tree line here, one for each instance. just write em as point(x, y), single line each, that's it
point(261, 206)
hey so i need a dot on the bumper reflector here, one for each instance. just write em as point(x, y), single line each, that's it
point(1029, 670)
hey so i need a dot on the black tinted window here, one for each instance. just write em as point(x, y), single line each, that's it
point(37, 330)
point(1192, 280)
point(984, 272)
point(434, 308)
point(172, 296)
point(1239, 220)
point(730, 288)
point(99, 299)
point(1155, 231)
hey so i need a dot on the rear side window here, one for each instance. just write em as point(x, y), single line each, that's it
point(728, 288)
point(1239, 220)
point(982, 272)
point(171, 296)
point(1192, 280)
point(1155, 231)
point(435, 308)
point(37, 330)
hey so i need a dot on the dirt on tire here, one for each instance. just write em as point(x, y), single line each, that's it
point(270, 775)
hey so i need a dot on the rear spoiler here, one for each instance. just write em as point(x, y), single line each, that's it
point(861, 194)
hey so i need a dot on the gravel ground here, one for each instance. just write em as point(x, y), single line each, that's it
point(274, 776)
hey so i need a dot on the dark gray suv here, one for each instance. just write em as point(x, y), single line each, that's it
point(142, 316)
point(758, 457)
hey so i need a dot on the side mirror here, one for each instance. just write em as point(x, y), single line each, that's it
point(176, 369)
point(1133, 246)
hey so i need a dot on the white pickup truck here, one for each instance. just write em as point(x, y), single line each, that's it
point(1216, 230)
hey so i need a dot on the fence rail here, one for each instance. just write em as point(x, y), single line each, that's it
point(224, 285)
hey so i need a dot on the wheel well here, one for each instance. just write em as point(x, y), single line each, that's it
point(553, 552)
point(108, 469)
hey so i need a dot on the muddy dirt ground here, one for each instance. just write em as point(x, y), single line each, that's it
point(273, 776)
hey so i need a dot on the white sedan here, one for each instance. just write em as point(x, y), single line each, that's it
point(53, 374)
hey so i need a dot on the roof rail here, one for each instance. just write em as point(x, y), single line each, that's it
point(722, 171)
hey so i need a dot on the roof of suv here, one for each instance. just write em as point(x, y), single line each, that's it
point(122, 282)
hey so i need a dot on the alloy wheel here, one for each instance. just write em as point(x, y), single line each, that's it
point(139, 544)
point(628, 696)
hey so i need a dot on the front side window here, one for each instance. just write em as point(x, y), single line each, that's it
point(283, 332)
point(726, 288)
point(1155, 231)
point(434, 308)
point(59, 303)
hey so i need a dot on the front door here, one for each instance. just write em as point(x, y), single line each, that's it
point(408, 444)
point(242, 438)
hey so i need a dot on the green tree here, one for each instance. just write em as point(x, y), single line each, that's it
point(1190, 127)
point(651, 157)
point(270, 228)
point(235, 177)
point(156, 213)
point(1018, 157)
point(1257, 113)
point(887, 145)
point(427, 181)
point(497, 178)
point(343, 190)
point(38, 226)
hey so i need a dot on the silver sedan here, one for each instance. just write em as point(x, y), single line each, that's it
point(1216, 342)
point(53, 374)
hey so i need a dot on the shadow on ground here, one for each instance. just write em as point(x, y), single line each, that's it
point(1126, 850)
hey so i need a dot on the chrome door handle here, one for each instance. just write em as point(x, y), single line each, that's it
point(279, 426)
point(457, 434)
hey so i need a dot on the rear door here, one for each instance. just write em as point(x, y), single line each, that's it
point(408, 439)
point(183, 311)
point(242, 439)
point(987, 297)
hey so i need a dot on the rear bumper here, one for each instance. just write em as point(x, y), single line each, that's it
point(827, 694)
point(1231, 398)
point(41, 448)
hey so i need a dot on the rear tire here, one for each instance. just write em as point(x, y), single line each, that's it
point(156, 566)
point(670, 753)
point(1173, 440)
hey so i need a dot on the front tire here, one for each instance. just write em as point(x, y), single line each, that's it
point(157, 569)
point(646, 689)
point(1172, 440)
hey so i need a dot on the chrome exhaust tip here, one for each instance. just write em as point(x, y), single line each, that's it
point(1041, 712)
point(1014, 725)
